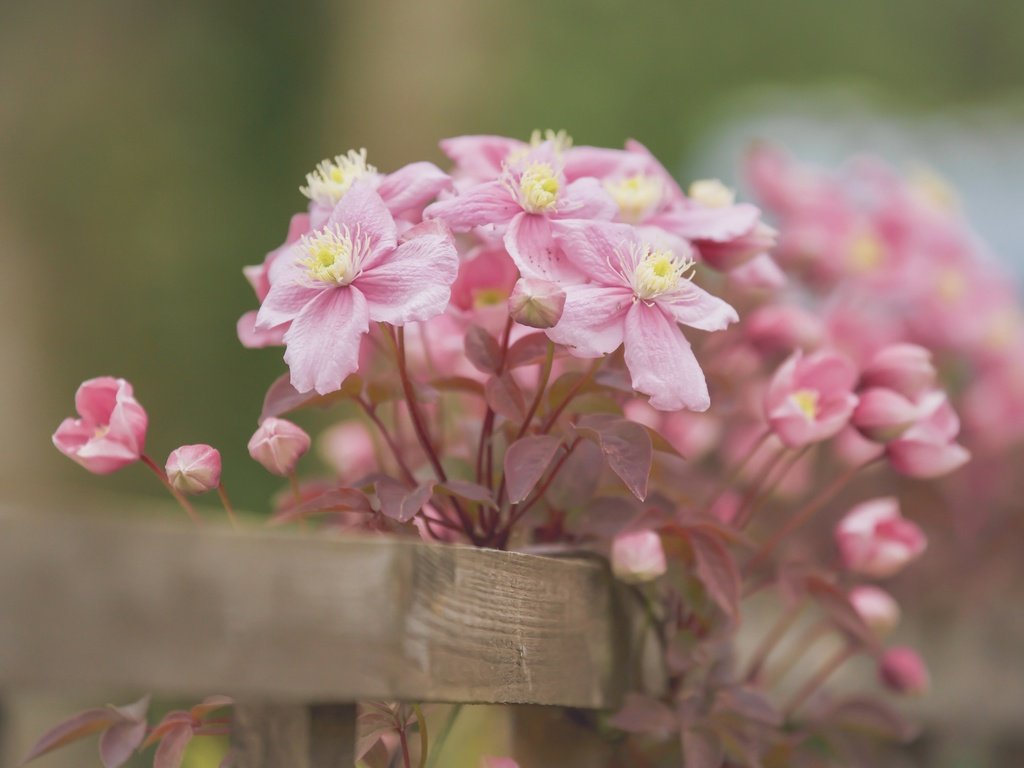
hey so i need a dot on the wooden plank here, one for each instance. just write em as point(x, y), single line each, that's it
point(282, 617)
point(293, 735)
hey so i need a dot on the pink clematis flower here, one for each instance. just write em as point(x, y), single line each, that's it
point(531, 192)
point(638, 295)
point(883, 414)
point(194, 468)
point(811, 398)
point(111, 429)
point(875, 540)
point(905, 368)
point(339, 278)
point(928, 448)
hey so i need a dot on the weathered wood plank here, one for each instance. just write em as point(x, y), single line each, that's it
point(285, 617)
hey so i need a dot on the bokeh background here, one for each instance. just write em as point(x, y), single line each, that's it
point(149, 150)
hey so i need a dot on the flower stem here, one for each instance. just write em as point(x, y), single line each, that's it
point(770, 484)
point(549, 422)
point(729, 478)
point(223, 493)
point(442, 737)
point(775, 634)
point(371, 414)
point(406, 760)
point(840, 657)
point(179, 497)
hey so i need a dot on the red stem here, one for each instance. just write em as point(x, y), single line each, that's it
point(185, 504)
point(223, 493)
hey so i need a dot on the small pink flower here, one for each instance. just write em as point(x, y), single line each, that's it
point(111, 430)
point(810, 398)
point(905, 368)
point(875, 540)
point(639, 292)
point(348, 447)
point(876, 607)
point(902, 670)
point(883, 414)
point(637, 556)
point(928, 448)
point(337, 279)
point(194, 468)
point(278, 445)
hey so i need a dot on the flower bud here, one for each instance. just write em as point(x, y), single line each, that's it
point(193, 468)
point(928, 449)
point(278, 445)
point(536, 303)
point(902, 670)
point(110, 431)
point(906, 368)
point(876, 541)
point(637, 556)
point(876, 607)
point(883, 414)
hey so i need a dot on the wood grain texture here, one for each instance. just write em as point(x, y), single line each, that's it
point(89, 603)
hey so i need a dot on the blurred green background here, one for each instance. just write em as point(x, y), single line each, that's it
point(149, 150)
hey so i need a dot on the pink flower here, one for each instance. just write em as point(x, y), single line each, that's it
point(278, 445)
point(337, 279)
point(194, 468)
point(811, 398)
point(928, 448)
point(902, 670)
point(638, 294)
point(905, 368)
point(111, 430)
point(637, 556)
point(884, 414)
point(875, 540)
point(783, 327)
point(348, 447)
point(876, 607)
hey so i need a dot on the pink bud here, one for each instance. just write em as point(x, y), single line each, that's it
point(875, 540)
point(194, 468)
point(928, 448)
point(637, 556)
point(278, 445)
point(784, 327)
point(883, 414)
point(901, 669)
point(906, 368)
point(876, 607)
point(536, 303)
point(111, 430)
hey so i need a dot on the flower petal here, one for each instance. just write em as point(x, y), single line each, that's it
point(697, 308)
point(323, 340)
point(592, 319)
point(480, 205)
point(661, 362)
point(411, 187)
point(529, 241)
point(285, 300)
point(592, 247)
point(413, 283)
point(362, 211)
point(586, 199)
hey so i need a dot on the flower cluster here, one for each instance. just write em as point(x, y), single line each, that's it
point(503, 347)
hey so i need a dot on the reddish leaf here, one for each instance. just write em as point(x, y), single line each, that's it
point(871, 716)
point(172, 747)
point(210, 704)
point(505, 397)
point(717, 571)
point(529, 350)
point(119, 741)
point(482, 350)
point(468, 491)
point(135, 711)
point(701, 748)
point(752, 706)
point(76, 727)
point(837, 605)
point(283, 398)
point(334, 500)
point(627, 447)
point(644, 714)
point(399, 502)
point(376, 756)
point(526, 460)
point(170, 721)
point(577, 481)
point(458, 384)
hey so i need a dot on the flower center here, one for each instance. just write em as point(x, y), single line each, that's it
point(659, 272)
point(538, 188)
point(332, 256)
point(635, 195)
point(866, 252)
point(951, 286)
point(712, 193)
point(332, 178)
point(560, 140)
point(806, 400)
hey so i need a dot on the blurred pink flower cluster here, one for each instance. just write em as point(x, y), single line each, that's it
point(502, 350)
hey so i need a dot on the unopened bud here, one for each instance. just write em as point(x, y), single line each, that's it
point(278, 445)
point(637, 556)
point(193, 468)
point(876, 607)
point(902, 670)
point(536, 303)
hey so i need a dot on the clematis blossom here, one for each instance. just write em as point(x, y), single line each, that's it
point(638, 295)
point(811, 398)
point(875, 540)
point(337, 279)
point(928, 448)
point(111, 429)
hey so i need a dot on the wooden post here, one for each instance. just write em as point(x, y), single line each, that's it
point(293, 735)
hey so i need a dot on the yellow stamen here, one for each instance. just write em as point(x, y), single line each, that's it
point(538, 188)
point(806, 400)
point(866, 253)
point(950, 286)
point(333, 178)
point(636, 195)
point(659, 272)
point(489, 297)
point(332, 256)
point(712, 193)
point(561, 140)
